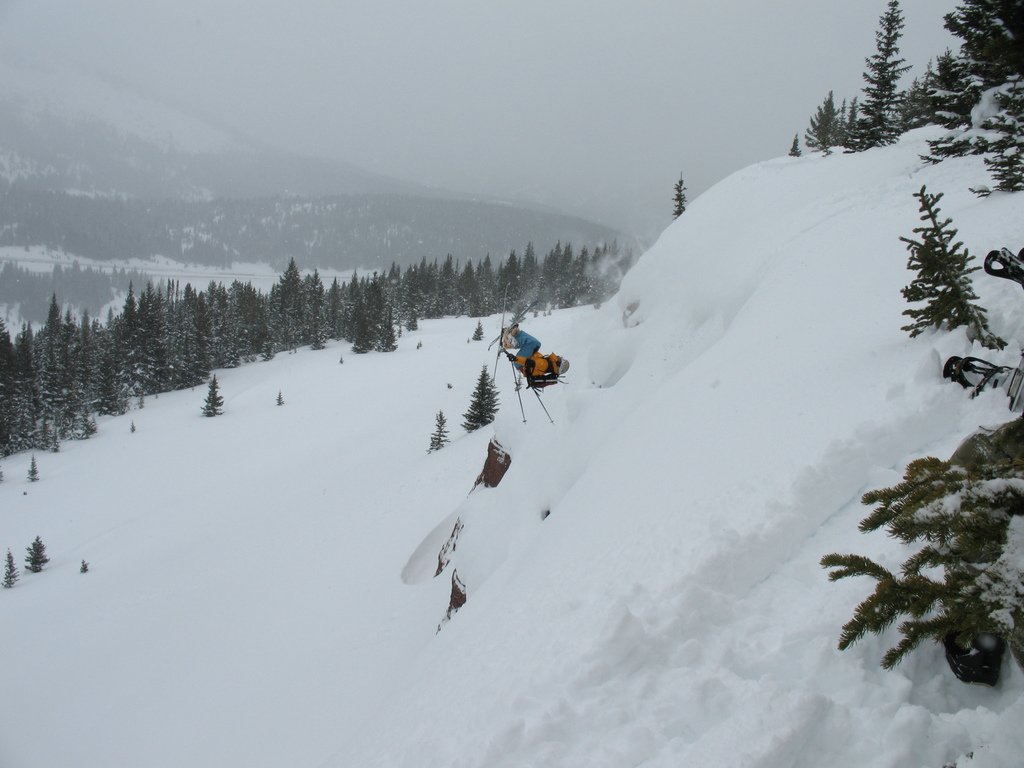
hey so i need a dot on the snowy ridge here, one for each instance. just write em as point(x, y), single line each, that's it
point(266, 597)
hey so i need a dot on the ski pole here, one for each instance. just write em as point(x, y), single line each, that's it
point(539, 400)
point(515, 379)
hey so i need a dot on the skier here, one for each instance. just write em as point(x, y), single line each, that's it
point(527, 345)
point(540, 370)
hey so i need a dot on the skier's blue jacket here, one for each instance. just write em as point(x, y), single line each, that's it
point(528, 345)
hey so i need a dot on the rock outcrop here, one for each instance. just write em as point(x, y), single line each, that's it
point(495, 466)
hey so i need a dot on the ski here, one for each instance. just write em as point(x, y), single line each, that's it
point(1004, 264)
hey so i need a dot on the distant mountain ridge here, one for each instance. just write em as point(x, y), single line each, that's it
point(367, 231)
point(72, 181)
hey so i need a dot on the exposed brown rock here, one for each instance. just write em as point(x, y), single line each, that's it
point(495, 466)
point(449, 546)
point(458, 599)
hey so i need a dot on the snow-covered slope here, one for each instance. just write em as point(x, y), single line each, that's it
point(261, 590)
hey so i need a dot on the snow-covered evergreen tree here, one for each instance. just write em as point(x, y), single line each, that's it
point(385, 337)
point(794, 148)
point(916, 107)
point(825, 130)
point(879, 121)
point(439, 439)
point(942, 279)
point(35, 558)
point(1005, 156)
point(10, 572)
point(315, 314)
point(214, 403)
point(971, 526)
point(33, 470)
point(975, 90)
point(484, 404)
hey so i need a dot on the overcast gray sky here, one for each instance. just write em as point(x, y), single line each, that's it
point(592, 106)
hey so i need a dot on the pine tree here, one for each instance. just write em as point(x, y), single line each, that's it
point(952, 91)
point(84, 568)
point(991, 31)
point(990, 61)
point(970, 524)
point(10, 571)
point(36, 558)
point(794, 149)
point(214, 404)
point(280, 398)
point(943, 279)
point(33, 470)
point(8, 389)
point(478, 332)
point(315, 315)
point(484, 404)
point(825, 130)
point(1005, 158)
point(916, 107)
point(439, 439)
point(879, 122)
point(953, 94)
point(848, 122)
point(679, 199)
point(385, 340)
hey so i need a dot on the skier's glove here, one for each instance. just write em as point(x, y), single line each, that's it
point(511, 357)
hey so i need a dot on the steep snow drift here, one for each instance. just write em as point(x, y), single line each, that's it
point(643, 586)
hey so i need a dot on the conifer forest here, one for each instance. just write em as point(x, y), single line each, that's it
point(56, 379)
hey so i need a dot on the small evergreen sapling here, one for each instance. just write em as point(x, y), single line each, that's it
point(280, 398)
point(439, 439)
point(84, 567)
point(943, 279)
point(33, 470)
point(484, 404)
point(794, 149)
point(214, 404)
point(10, 571)
point(679, 199)
point(478, 333)
point(36, 557)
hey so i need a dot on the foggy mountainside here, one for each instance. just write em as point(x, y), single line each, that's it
point(366, 231)
point(112, 190)
point(43, 150)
